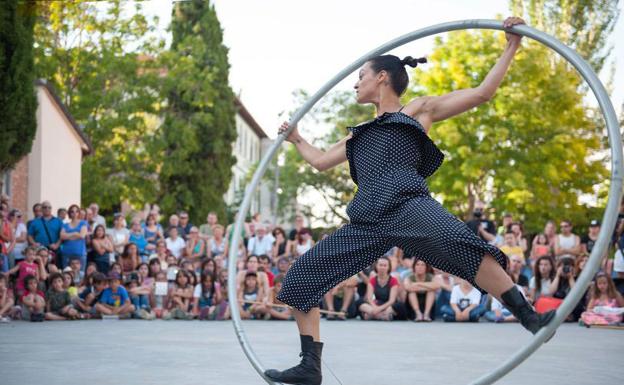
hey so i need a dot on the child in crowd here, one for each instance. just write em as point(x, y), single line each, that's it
point(281, 312)
point(206, 297)
point(76, 271)
point(159, 298)
point(88, 276)
point(498, 312)
point(180, 297)
point(606, 304)
point(464, 304)
point(6, 300)
point(68, 282)
point(421, 291)
point(32, 300)
point(115, 299)
point(59, 305)
point(251, 297)
point(31, 265)
point(86, 300)
point(140, 290)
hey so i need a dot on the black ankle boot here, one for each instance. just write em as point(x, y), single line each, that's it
point(515, 302)
point(308, 372)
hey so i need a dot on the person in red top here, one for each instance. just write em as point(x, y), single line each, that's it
point(32, 265)
point(265, 264)
point(381, 294)
point(33, 300)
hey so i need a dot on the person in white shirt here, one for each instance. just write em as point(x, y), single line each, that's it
point(175, 243)
point(464, 304)
point(260, 243)
point(99, 220)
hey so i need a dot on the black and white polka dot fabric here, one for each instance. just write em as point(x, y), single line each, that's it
point(389, 159)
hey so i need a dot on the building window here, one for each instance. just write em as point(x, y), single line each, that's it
point(6, 183)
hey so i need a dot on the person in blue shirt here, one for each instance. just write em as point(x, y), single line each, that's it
point(46, 230)
point(115, 299)
point(74, 238)
point(137, 236)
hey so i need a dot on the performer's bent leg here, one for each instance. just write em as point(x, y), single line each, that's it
point(492, 278)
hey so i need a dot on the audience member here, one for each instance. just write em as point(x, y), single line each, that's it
point(465, 304)
point(206, 297)
point(340, 297)
point(115, 300)
point(46, 231)
point(58, 301)
point(206, 230)
point(567, 244)
point(605, 304)
point(382, 291)
point(119, 234)
point(421, 291)
point(73, 235)
point(175, 243)
point(103, 249)
point(19, 241)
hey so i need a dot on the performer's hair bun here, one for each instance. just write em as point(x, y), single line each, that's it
point(410, 61)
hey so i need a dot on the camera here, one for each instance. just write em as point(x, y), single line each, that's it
point(567, 269)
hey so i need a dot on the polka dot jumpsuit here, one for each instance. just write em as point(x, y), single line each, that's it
point(389, 159)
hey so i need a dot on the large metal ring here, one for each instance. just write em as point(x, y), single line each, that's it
point(608, 221)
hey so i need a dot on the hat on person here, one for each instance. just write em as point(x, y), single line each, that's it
point(114, 275)
point(594, 223)
point(67, 269)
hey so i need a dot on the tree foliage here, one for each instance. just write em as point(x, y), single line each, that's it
point(18, 103)
point(101, 59)
point(199, 126)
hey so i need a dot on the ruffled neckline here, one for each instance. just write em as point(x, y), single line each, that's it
point(388, 118)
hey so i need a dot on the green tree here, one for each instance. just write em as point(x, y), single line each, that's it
point(102, 60)
point(18, 102)
point(199, 126)
point(533, 149)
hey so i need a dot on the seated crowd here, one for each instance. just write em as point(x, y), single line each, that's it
point(72, 266)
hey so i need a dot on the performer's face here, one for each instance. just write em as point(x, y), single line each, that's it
point(367, 86)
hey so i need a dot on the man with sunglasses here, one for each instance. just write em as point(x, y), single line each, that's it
point(46, 230)
point(567, 244)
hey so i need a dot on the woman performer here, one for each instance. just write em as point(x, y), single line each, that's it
point(389, 158)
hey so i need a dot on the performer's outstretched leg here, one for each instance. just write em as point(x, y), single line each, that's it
point(493, 279)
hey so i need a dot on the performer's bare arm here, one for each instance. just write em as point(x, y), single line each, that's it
point(317, 158)
point(430, 109)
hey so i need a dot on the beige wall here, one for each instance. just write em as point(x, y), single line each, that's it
point(54, 163)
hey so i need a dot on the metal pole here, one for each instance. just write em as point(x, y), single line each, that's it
point(608, 221)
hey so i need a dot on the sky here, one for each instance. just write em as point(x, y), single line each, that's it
point(279, 46)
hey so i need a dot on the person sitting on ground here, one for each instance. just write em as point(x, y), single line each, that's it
point(606, 304)
point(445, 282)
point(465, 304)
point(251, 266)
point(76, 268)
point(206, 297)
point(159, 298)
point(115, 300)
point(515, 268)
point(252, 297)
point(68, 282)
point(32, 300)
point(543, 275)
point(181, 297)
point(281, 311)
point(140, 292)
point(380, 302)
point(342, 297)
point(498, 312)
point(421, 291)
point(6, 300)
point(58, 301)
point(264, 265)
point(86, 300)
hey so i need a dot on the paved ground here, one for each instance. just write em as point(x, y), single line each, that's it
point(360, 353)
